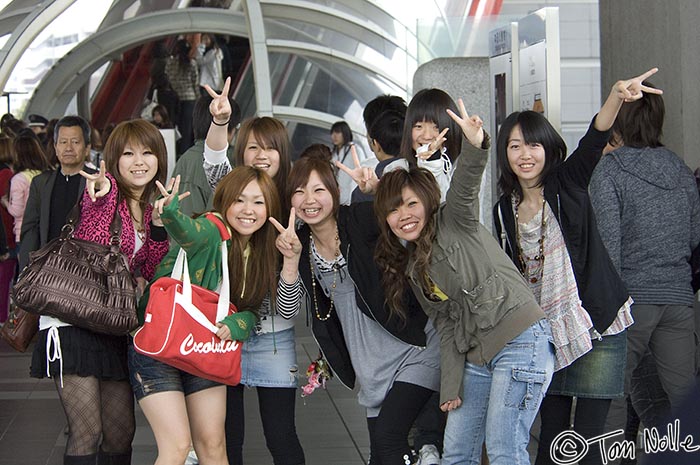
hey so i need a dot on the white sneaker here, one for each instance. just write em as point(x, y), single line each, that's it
point(191, 458)
point(428, 455)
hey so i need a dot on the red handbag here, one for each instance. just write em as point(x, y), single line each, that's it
point(180, 323)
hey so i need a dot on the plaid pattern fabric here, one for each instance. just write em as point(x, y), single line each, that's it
point(183, 78)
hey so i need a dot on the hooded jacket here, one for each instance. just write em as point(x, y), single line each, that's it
point(648, 210)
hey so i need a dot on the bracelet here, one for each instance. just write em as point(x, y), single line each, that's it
point(213, 121)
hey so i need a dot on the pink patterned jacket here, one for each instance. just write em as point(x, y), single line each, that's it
point(94, 226)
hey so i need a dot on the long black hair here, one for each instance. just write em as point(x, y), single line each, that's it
point(535, 129)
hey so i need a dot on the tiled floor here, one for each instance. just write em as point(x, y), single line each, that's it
point(331, 426)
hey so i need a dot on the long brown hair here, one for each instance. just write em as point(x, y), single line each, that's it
point(141, 132)
point(263, 262)
point(391, 256)
point(28, 154)
point(270, 134)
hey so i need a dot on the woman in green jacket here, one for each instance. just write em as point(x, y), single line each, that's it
point(181, 408)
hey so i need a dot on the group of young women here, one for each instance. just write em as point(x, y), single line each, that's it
point(408, 295)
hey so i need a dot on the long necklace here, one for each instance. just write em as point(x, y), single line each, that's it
point(138, 225)
point(534, 273)
point(313, 278)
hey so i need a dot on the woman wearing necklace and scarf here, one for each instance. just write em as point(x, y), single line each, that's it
point(395, 360)
point(546, 225)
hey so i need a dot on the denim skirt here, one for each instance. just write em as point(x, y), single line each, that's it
point(600, 374)
point(270, 360)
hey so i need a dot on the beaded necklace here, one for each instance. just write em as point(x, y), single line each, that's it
point(313, 276)
point(534, 273)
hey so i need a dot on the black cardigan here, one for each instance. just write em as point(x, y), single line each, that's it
point(358, 232)
point(566, 190)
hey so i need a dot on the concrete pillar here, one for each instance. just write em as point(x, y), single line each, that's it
point(636, 35)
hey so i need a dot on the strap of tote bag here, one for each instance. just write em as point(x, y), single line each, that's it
point(181, 271)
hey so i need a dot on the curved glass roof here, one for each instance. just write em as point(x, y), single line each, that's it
point(308, 62)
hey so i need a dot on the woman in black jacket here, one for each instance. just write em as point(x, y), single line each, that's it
point(395, 360)
point(547, 226)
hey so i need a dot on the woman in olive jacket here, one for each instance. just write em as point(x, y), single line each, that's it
point(495, 350)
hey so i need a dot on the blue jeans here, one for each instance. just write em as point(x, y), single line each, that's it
point(500, 401)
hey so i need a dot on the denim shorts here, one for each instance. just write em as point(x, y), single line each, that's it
point(149, 376)
point(270, 360)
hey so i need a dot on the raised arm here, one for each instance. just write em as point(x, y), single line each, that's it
point(289, 290)
point(626, 90)
point(462, 202)
point(578, 168)
point(216, 163)
point(192, 234)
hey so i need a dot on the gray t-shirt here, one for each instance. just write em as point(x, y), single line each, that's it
point(378, 357)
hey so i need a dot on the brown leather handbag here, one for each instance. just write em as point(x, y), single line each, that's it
point(80, 282)
point(19, 329)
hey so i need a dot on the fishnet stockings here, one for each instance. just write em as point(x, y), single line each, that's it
point(97, 409)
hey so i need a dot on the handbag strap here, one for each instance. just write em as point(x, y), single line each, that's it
point(181, 272)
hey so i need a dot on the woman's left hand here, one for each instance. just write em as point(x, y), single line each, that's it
point(451, 405)
point(223, 333)
point(168, 194)
point(633, 89)
point(472, 126)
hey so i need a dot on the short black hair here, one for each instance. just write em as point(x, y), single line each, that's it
point(201, 118)
point(343, 128)
point(72, 121)
point(379, 105)
point(387, 130)
point(535, 129)
point(640, 123)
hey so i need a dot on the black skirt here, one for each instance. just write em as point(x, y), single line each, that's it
point(84, 353)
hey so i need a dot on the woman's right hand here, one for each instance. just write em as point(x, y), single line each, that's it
point(168, 194)
point(220, 107)
point(287, 242)
point(364, 176)
point(451, 405)
point(98, 184)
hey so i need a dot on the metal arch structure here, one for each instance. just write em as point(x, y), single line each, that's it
point(26, 31)
point(312, 118)
point(71, 72)
point(362, 31)
point(304, 11)
point(328, 54)
point(260, 57)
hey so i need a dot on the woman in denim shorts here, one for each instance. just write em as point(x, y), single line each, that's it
point(181, 408)
point(268, 358)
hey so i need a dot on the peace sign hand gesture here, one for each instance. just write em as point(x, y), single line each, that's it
point(472, 126)
point(289, 246)
point(364, 176)
point(168, 194)
point(220, 107)
point(98, 184)
point(426, 151)
point(287, 242)
point(633, 89)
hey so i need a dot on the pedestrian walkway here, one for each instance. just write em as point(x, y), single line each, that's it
point(331, 426)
